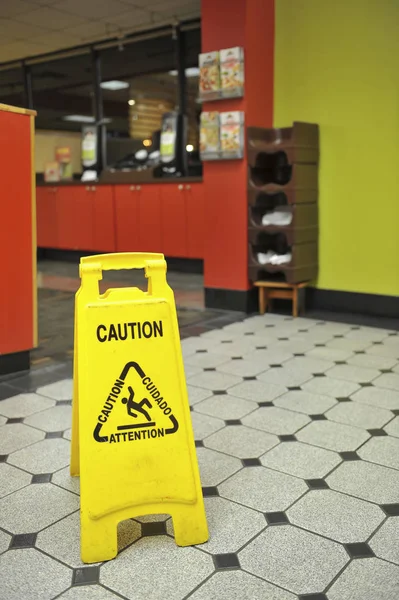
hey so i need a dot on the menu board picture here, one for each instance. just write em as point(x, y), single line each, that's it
point(222, 135)
point(209, 134)
point(168, 137)
point(52, 172)
point(232, 71)
point(89, 146)
point(231, 134)
point(209, 80)
point(63, 157)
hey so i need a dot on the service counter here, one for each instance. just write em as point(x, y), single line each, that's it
point(155, 216)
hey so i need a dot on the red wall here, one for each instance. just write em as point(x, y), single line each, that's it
point(249, 24)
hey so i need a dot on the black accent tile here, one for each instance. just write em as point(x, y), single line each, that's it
point(355, 328)
point(12, 421)
point(359, 550)
point(318, 374)
point(210, 491)
point(269, 325)
point(261, 347)
point(320, 345)
point(344, 399)
point(251, 462)
point(219, 392)
point(287, 438)
point(249, 333)
point(338, 336)
point(395, 411)
point(317, 484)
point(276, 518)
point(377, 343)
point(318, 417)
point(226, 561)
point(202, 351)
point(64, 402)
point(313, 597)
point(276, 366)
point(303, 330)
point(366, 384)
point(377, 432)
point(210, 369)
point(299, 354)
point(392, 510)
point(249, 378)
point(265, 404)
point(236, 358)
point(50, 435)
point(3, 457)
point(41, 478)
point(283, 339)
point(227, 341)
point(86, 576)
point(349, 456)
point(360, 352)
point(156, 528)
point(294, 388)
point(233, 422)
point(386, 371)
point(199, 444)
point(191, 408)
point(23, 540)
point(340, 362)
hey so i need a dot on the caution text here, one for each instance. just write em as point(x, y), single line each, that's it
point(129, 331)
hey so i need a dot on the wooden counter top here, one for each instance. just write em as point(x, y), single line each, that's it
point(19, 111)
point(130, 181)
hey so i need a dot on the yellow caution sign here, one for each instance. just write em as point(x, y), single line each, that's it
point(132, 440)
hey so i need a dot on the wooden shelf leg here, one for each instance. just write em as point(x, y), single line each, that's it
point(262, 300)
point(295, 301)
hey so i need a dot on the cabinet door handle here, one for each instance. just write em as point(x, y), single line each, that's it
point(188, 187)
point(93, 189)
point(87, 188)
point(180, 187)
point(132, 188)
point(138, 188)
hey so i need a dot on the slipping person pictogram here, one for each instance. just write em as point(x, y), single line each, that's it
point(133, 407)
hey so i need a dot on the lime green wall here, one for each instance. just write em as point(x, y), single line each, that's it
point(337, 64)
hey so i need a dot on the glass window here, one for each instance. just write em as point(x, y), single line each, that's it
point(63, 93)
point(12, 90)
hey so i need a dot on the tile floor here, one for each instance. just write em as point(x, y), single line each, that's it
point(297, 432)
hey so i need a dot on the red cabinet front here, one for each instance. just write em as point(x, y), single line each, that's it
point(174, 222)
point(74, 218)
point(46, 217)
point(103, 218)
point(164, 217)
point(196, 233)
point(149, 209)
point(126, 218)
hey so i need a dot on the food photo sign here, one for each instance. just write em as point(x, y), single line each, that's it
point(221, 74)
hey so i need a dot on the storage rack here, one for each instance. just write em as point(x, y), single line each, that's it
point(283, 175)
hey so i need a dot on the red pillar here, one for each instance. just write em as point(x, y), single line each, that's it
point(225, 24)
